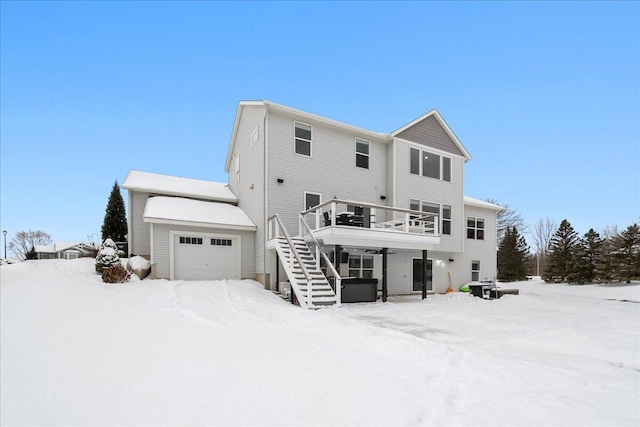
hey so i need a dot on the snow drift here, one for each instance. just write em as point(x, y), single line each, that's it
point(76, 351)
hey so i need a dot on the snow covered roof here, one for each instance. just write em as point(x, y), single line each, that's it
point(178, 210)
point(481, 204)
point(57, 247)
point(177, 186)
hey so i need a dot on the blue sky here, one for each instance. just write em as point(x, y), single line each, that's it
point(545, 96)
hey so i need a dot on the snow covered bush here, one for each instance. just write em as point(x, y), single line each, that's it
point(116, 274)
point(107, 256)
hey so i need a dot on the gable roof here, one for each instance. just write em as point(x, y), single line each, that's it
point(178, 210)
point(56, 247)
point(435, 115)
point(176, 186)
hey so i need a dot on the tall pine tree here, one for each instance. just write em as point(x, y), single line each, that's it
point(512, 256)
point(561, 256)
point(626, 254)
point(114, 226)
point(585, 257)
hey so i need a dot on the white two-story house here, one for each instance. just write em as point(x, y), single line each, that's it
point(309, 197)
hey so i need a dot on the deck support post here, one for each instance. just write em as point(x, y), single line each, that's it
point(277, 272)
point(337, 251)
point(384, 274)
point(424, 273)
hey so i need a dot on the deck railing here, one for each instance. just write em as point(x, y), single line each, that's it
point(337, 212)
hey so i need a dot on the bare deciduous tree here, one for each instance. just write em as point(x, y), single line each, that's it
point(24, 241)
point(508, 218)
point(542, 232)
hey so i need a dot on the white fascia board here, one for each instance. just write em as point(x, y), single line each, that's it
point(470, 201)
point(444, 125)
point(324, 120)
point(200, 224)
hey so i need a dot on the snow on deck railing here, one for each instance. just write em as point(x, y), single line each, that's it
point(342, 213)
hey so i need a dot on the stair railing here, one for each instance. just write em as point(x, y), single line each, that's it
point(294, 251)
point(338, 279)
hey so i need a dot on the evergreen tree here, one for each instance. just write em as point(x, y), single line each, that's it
point(561, 253)
point(586, 254)
point(513, 255)
point(32, 253)
point(605, 264)
point(115, 219)
point(626, 254)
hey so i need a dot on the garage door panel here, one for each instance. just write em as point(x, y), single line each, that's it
point(206, 261)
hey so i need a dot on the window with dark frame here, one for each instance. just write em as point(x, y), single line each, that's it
point(446, 219)
point(303, 133)
point(221, 242)
point(190, 240)
point(362, 153)
point(446, 169)
point(475, 228)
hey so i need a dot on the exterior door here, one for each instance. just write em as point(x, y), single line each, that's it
point(417, 272)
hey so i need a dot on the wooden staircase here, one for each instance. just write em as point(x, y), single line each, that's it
point(308, 282)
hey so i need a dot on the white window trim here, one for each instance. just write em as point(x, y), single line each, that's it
point(440, 214)
point(421, 150)
point(475, 227)
point(368, 155)
point(361, 269)
point(303, 139)
point(304, 200)
point(478, 270)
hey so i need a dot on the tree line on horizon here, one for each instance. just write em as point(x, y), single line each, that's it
point(564, 256)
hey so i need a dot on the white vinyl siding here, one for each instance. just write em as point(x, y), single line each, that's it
point(250, 191)
point(331, 172)
point(141, 229)
point(411, 186)
point(161, 244)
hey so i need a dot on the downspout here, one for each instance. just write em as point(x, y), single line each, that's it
point(265, 211)
point(129, 225)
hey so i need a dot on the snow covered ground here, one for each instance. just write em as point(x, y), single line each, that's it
point(76, 351)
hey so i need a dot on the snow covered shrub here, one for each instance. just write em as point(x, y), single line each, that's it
point(116, 274)
point(107, 256)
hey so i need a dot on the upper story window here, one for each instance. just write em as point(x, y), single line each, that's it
point(303, 139)
point(362, 153)
point(425, 163)
point(475, 228)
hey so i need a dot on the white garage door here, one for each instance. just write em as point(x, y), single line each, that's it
point(198, 257)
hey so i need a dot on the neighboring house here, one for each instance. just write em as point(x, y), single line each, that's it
point(390, 205)
point(63, 250)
